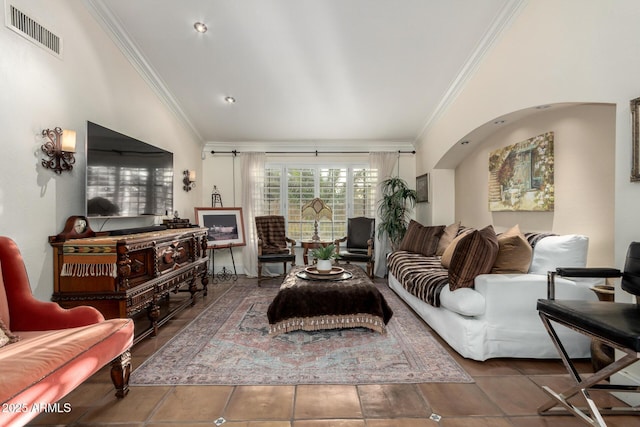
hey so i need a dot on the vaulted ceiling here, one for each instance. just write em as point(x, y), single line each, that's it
point(305, 70)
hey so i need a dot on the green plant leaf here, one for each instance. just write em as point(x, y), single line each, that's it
point(395, 208)
point(325, 252)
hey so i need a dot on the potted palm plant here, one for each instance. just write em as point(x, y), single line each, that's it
point(394, 209)
point(324, 255)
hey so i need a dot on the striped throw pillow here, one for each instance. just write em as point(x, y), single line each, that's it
point(474, 254)
point(420, 239)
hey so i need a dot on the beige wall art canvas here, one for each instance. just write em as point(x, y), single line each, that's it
point(521, 176)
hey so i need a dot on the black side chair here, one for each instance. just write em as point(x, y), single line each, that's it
point(613, 323)
point(360, 238)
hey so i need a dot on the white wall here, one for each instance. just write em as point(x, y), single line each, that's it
point(556, 52)
point(92, 81)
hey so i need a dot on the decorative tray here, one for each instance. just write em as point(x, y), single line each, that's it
point(312, 273)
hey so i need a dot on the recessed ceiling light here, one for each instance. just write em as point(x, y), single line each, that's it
point(200, 27)
point(230, 99)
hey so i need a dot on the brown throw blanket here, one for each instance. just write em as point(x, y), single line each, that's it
point(423, 277)
point(313, 305)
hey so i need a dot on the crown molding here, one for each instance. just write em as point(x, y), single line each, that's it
point(502, 21)
point(112, 26)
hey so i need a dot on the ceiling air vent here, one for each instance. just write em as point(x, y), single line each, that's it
point(27, 27)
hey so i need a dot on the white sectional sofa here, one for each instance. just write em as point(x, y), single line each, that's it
point(497, 316)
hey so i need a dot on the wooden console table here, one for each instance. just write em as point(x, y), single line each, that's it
point(125, 275)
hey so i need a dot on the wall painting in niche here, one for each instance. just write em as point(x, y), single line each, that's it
point(521, 176)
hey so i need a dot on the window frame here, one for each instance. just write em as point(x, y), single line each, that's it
point(350, 168)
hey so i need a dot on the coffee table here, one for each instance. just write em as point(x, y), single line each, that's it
point(312, 305)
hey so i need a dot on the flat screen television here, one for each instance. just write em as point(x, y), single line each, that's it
point(126, 177)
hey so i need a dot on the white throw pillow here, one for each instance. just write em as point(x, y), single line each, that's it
point(464, 301)
point(569, 250)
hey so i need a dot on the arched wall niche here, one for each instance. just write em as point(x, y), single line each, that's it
point(584, 152)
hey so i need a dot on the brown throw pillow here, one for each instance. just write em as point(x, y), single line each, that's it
point(420, 239)
point(514, 254)
point(447, 237)
point(448, 252)
point(475, 254)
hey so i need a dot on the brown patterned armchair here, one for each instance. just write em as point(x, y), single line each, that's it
point(272, 243)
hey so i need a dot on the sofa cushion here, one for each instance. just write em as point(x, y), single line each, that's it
point(569, 250)
point(40, 355)
point(450, 233)
point(421, 239)
point(474, 254)
point(514, 253)
point(464, 301)
point(448, 252)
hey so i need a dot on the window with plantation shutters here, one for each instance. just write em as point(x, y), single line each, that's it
point(349, 191)
point(272, 191)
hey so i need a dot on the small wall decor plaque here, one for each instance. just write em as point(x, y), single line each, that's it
point(422, 188)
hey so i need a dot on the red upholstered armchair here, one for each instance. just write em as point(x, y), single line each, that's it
point(56, 349)
point(28, 313)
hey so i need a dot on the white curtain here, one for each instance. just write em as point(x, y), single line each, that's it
point(252, 188)
point(384, 163)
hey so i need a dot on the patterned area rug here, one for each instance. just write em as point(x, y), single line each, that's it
point(229, 344)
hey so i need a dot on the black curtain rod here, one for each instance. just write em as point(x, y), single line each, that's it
point(236, 152)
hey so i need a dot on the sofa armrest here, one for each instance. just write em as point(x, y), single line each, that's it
point(514, 296)
point(35, 315)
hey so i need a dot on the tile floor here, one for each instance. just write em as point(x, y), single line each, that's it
point(506, 393)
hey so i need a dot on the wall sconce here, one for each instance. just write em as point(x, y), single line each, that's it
point(60, 148)
point(189, 180)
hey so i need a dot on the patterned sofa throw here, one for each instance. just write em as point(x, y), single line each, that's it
point(421, 276)
point(468, 252)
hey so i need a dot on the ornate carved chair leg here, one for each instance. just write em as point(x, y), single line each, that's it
point(193, 290)
point(120, 372)
point(205, 282)
point(154, 314)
